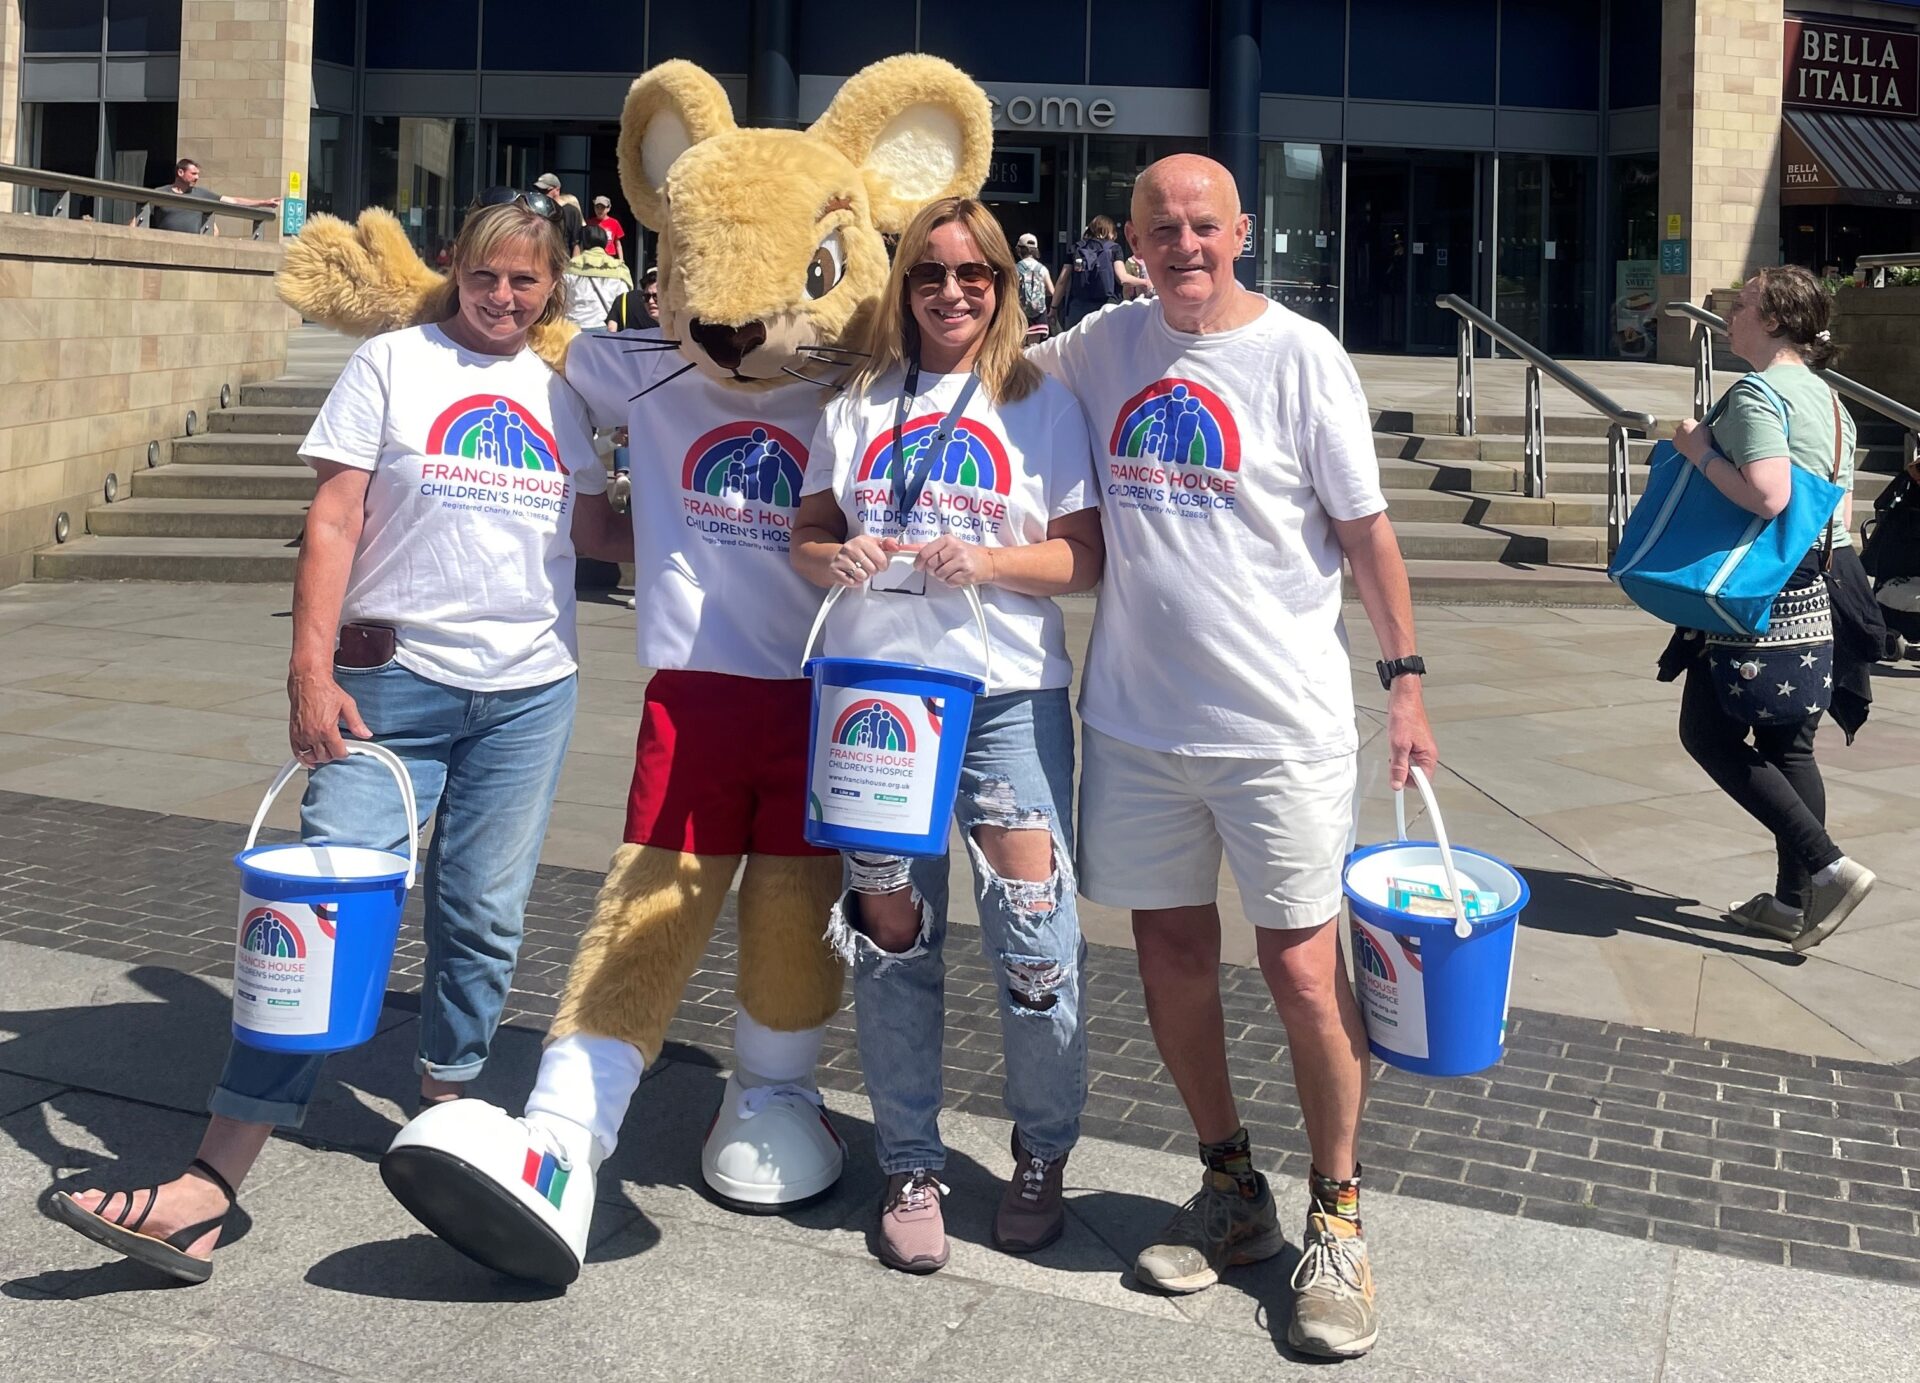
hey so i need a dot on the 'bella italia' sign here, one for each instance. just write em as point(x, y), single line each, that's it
point(1846, 67)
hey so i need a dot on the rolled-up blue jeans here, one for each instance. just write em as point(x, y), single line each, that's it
point(487, 763)
point(1017, 773)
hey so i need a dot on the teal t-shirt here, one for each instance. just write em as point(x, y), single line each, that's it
point(1748, 428)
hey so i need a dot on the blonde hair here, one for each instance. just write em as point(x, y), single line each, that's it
point(893, 336)
point(492, 229)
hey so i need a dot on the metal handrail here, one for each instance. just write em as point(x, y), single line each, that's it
point(1538, 363)
point(145, 199)
point(1881, 263)
point(1707, 325)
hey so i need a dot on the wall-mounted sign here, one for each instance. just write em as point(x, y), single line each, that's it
point(1043, 111)
point(1673, 256)
point(1847, 67)
point(1013, 175)
point(1676, 227)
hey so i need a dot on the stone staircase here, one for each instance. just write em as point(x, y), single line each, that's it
point(228, 505)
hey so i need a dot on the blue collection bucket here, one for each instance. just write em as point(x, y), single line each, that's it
point(318, 924)
point(1433, 990)
point(885, 742)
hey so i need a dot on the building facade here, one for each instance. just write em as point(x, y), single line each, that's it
point(1565, 163)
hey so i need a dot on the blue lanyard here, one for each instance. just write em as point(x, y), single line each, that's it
point(907, 487)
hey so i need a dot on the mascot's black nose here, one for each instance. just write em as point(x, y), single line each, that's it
point(728, 346)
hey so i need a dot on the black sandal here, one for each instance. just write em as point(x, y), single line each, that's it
point(170, 1254)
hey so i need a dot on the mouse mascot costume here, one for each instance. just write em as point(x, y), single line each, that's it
point(771, 261)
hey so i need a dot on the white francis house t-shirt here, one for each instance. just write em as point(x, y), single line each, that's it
point(1223, 461)
point(467, 544)
point(1006, 473)
point(716, 471)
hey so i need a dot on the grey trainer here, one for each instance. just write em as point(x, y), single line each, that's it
point(1218, 1229)
point(1829, 904)
point(1765, 915)
point(1334, 1314)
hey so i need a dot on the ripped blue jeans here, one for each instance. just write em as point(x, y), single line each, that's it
point(1018, 772)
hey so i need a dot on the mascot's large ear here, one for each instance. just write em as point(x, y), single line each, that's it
point(917, 127)
point(669, 109)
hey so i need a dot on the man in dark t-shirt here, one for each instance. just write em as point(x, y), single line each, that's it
point(186, 183)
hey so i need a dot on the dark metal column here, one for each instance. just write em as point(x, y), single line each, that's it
point(773, 94)
point(1233, 122)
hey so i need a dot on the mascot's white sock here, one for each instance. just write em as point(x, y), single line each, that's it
point(585, 1085)
point(763, 1056)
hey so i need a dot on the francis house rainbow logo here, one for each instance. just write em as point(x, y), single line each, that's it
point(874, 724)
point(973, 457)
point(1177, 420)
point(269, 933)
point(1368, 956)
point(759, 462)
point(487, 427)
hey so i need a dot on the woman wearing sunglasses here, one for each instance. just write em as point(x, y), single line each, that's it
point(951, 448)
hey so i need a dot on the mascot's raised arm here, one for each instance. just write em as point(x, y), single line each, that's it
point(771, 260)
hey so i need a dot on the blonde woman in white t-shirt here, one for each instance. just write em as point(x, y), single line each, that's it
point(432, 614)
point(996, 493)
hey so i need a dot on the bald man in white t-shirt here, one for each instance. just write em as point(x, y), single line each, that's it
point(1234, 452)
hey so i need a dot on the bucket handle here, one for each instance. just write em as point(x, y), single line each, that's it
point(393, 766)
point(908, 558)
point(1461, 927)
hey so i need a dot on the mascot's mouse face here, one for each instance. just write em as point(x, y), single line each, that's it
point(770, 240)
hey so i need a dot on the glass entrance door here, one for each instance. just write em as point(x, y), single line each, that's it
point(1411, 236)
point(1545, 287)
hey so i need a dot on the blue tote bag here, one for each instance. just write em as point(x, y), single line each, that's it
point(1692, 557)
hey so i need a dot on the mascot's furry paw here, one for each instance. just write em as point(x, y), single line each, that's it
point(771, 1147)
point(361, 279)
point(506, 1192)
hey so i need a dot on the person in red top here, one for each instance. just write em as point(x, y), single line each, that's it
point(603, 218)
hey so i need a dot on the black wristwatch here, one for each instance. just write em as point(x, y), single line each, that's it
point(1412, 663)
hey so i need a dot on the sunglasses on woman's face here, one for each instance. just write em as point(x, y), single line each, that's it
point(930, 276)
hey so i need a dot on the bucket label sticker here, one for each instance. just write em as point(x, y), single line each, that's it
point(283, 967)
point(1393, 989)
point(875, 764)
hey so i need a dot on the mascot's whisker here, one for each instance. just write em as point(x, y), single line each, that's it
point(658, 382)
point(822, 346)
point(823, 383)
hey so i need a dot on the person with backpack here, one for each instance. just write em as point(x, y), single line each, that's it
point(1036, 287)
point(1094, 276)
point(595, 282)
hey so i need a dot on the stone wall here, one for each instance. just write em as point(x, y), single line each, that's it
point(246, 90)
point(1878, 330)
point(11, 35)
point(108, 335)
point(1720, 75)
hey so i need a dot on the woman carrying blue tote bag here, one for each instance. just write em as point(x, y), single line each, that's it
point(1752, 702)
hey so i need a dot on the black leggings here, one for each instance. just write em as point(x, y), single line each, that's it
point(1775, 778)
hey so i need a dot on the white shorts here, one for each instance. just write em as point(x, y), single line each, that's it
point(1153, 825)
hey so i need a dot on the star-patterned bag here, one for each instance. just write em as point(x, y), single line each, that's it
point(1785, 674)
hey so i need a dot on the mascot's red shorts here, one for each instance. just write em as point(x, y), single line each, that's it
point(721, 766)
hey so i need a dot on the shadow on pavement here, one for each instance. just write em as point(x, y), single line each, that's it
point(1596, 906)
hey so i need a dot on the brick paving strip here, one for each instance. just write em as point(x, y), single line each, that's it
point(1713, 1145)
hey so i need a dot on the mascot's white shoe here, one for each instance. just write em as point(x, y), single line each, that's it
point(771, 1147)
point(506, 1192)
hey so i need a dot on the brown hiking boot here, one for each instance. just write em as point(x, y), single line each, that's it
point(1219, 1228)
point(1333, 1309)
point(913, 1232)
point(1033, 1212)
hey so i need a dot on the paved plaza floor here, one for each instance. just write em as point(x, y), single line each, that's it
point(1700, 1158)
